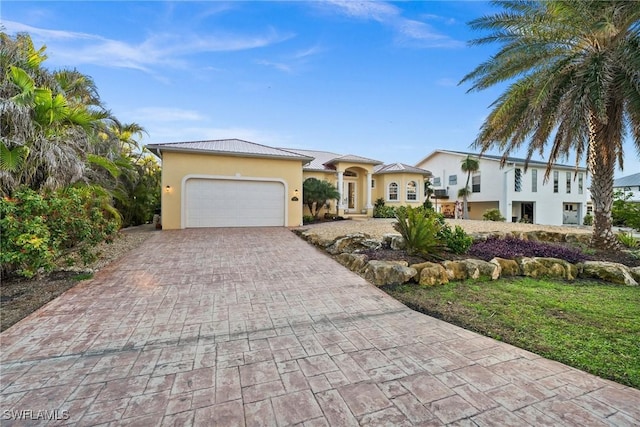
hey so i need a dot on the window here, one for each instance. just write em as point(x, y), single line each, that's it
point(373, 183)
point(517, 180)
point(350, 173)
point(475, 183)
point(534, 180)
point(453, 179)
point(393, 191)
point(568, 182)
point(555, 181)
point(436, 182)
point(411, 191)
point(580, 183)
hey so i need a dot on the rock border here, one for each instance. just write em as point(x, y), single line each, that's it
point(381, 273)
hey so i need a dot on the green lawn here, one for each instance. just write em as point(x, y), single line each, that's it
point(588, 325)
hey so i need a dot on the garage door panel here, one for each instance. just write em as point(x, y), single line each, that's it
point(234, 203)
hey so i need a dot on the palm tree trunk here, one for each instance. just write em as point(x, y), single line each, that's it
point(602, 148)
point(465, 210)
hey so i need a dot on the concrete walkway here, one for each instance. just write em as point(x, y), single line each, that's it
point(232, 327)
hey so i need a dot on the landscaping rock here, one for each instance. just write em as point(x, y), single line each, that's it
point(471, 269)
point(354, 262)
point(432, 274)
point(315, 239)
point(608, 271)
point(583, 238)
point(635, 273)
point(394, 241)
point(547, 267)
point(508, 267)
point(382, 273)
point(353, 242)
point(456, 270)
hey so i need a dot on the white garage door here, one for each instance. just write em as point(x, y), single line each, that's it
point(234, 203)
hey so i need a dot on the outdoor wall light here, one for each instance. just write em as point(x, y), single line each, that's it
point(167, 189)
point(296, 193)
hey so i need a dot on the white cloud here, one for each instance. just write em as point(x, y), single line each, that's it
point(409, 31)
point(446, 82)
point(292, 62)
point(72, 48)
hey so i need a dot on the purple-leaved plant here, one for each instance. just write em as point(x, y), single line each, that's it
point(510, 248)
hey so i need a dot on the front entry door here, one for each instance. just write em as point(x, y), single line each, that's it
point(350, 195)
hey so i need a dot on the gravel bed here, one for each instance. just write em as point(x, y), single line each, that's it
point(377, 227)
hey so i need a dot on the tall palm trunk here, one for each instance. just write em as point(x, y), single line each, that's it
point(602, 161)
point(465, 210)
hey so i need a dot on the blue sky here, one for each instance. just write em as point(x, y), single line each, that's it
point(376, 79)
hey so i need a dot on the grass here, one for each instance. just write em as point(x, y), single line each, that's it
point(591, 326)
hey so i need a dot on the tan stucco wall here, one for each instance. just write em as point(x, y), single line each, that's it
point(383, 180)
point(177, 166)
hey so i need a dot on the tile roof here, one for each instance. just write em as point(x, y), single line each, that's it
point(627, 181)
point(236, 147)
point(400, 168)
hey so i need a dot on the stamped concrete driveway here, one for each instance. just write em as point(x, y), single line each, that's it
point(256, 327)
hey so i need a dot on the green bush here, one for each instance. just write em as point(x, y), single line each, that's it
point(493, 215)
point(37, 228)
point(588, 220)
point(627, 240)
point(380, 210)
point(421, 230)
point(456, 240)
point(308, 219)
point(625, 213)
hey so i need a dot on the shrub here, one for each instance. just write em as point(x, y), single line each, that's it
point(627, 240)
point(38, 228)
point(456, 240)
point(380, 210)
point(625, 213)
point(308, 219)
point(588, 220)
point(493, 215)
point(421, 231)
point(510, 248)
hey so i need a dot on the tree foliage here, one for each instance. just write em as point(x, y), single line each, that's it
point(316, 193)
point(468, 165)
point(69, 170)
point(574, 73)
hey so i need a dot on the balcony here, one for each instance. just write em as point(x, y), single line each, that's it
point(441, 194)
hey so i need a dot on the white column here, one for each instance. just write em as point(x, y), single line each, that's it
point(340, 189)
point(369, 206)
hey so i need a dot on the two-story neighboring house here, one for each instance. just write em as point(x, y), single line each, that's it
point(519, 195)
point(629, 185)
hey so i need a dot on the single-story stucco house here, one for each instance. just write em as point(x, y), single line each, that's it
point(236, 183)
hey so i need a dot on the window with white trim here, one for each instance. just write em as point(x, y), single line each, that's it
point(412, 193)
point(475, 183)
point(436, 182)
point(556, 178)
point(393, 191)
point(580, 183)
point(568, 182)
point(534, 180)
point(453, 179)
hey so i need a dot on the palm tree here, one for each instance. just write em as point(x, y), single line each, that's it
point(315, 193)
point(469, 165)
point(576, 66)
